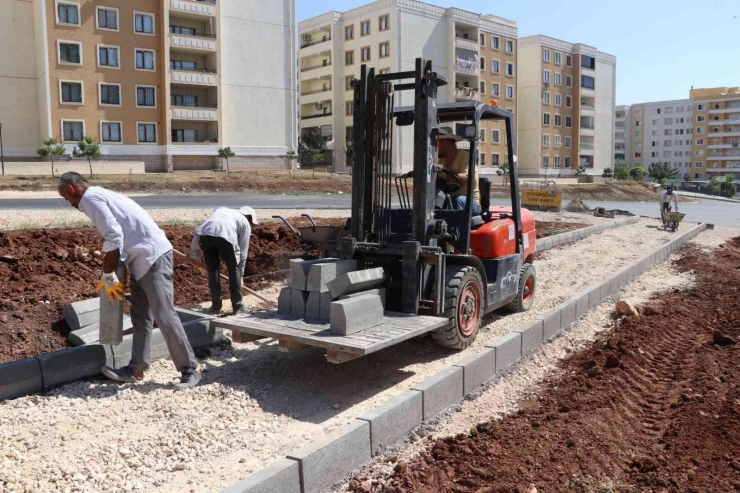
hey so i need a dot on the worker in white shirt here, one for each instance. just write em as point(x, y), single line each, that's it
point(224, 236)
point(668, 201)
point(132, 236)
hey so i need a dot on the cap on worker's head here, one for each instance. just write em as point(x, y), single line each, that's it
point(670, 188)
point(249, 212)
point(453, 137)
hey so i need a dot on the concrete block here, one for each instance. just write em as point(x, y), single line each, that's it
point(73, 364)
point(441, 391)
point(570, 237)
point(111, 320)
point(594, 297)
point(318, 307)
point(202, 334)
point(19, 378)
point(394, 419)
point(91, 333)
point(282, 476)
point(298, 301)
point(477, 369)
point(556, 240)
point(355, 314)
point(284, 302)
point(379, 292)
point(551, 323)
point(299, 270)
point(190, 315)
point(320, 274)
point(606, 288)
point(508, 350)
point(329, 460)
point(546, 244)
point(567, 314)
point(614, 283)
point(532, 335)
point(629, 274)
point(581, 300)
point(354, 282)
point(82, 313)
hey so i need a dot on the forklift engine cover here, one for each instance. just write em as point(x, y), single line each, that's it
point(496, 239)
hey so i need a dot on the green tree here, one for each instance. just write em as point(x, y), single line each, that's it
point(728, 186)
point(50, 148)
point(637, 173)
point(621, 170)
point(226, 153)
point(87, 148)
point(503, 170)
point(608, 173)
point(311, 147)
point(580, 171)
point(291, 156)
point(714, 186)
point(662, 172)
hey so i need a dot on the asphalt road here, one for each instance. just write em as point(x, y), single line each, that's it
point(715, 212)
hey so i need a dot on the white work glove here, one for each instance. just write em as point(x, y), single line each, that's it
point(242, 266)
point(112, 286)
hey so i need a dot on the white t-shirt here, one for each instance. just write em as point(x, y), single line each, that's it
point(671, 199)
point(228, 224)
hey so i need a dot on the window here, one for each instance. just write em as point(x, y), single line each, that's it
point(556, 160)
point(482, 159)
point(568, 121)
point(545, 55)
point(700, 130)
point(482, 87)
point(110, 132)
point(638, 154)
point(482, 137)
point(70, 52)
point(567, 161)
point(656, 111)
point(558, 120)
point(509, 46)
point(568, 81)
point(349, 108)
point(68, 13)
point(638, 134)
point(558, 58)
point(365, 28)
point(349, 32)
point(667, 143)
point(495, 160)
point(495, 66)
point(701, 118)
point(71, 92)
point(546, 118)
point(385, 50)
point(384, 23)
point(365, 54)
point(588, 62)
point(73, 130)
point(107, 18)
point(656, 122)
point(546, 76)
point(699, 164)
point(349, 57)
point(348, 134)
point(146, 133)
point(558, 100)
point(699, 153)
point(509, 92)
point(654, 143)
point(701, 107)
point(182, 65)
point(700, 142)
point(110, 94)
point(348, 82)
point(482, 39)
point(558, 79)
point(545, 140)
point(187, 31)
point(495, 136)
point(587, 82)
point(482, 64)
point(668, 131)
point(495, 42)
point(654, 154)
point(568, 143)
point(183, 100)
point(669, 110)
point(184, 135)
point(509, 69)
point(568, 61)
point(545, 161)
point(557, 141)
point(143, 23)
point(108, 56)
point(546, 97)
point(679, 109)
point(568, 101)
point(495, 89)
point(146, 96)
point(145, 59)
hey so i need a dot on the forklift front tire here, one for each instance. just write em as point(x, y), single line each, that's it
point(527, 288)
point(464, 305)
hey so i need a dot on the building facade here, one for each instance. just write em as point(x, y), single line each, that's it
point(622, 133)
point(716, 146)
point(566, 108)
point(477, 54)
point(164, 82)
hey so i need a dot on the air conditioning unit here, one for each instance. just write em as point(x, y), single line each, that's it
point(306, 38)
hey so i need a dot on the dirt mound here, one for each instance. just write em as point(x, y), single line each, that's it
point(44, 270)
point(545, 229)
point(653, 406)
point(578, 205)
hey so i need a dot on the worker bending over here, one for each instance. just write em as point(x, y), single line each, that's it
point(668, 200)
point(133, 237)
point(224, 236)
point(456, 162)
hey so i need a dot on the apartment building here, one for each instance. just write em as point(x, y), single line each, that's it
point(477, 54)
point(716, 127)
point(566, 107)
point(622, 133)
point(164, 82)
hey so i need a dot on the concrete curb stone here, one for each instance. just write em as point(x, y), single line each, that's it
point(567, 314)
point(594, 297)
point(282, 476)
point(581, 300)
point(324, 462)
point(299, 270)
point(298, 299)
point(551, 323)
point(82, 313)
point(355, 314)
point(73, 364)
point(532, 335)
point(615, 283)
point(549, 242)
point(440, 391)
point(477, 369)
point(321, 273)
point(394, 419)
point(508, 350)
point(356, 281)
point(19, 378)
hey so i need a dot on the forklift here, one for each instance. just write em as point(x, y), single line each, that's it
point(444, 268)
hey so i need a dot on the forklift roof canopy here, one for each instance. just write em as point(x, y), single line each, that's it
point(455, 112)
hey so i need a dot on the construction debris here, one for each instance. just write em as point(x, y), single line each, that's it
point(578, 205)
point(626, 308)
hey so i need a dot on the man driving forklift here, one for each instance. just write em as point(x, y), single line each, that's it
point(454, 163)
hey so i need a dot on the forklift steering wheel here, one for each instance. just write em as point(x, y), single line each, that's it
point(451, 175)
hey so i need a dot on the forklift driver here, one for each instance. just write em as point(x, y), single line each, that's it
point(455, 161)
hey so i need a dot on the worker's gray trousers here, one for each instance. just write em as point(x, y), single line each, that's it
point(152, 298)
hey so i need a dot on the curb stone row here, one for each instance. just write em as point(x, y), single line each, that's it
point(325, 462)
point(579, 234)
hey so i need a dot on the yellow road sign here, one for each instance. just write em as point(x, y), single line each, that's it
point(542, 199)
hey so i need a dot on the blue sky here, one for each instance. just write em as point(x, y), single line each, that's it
point(662, 47)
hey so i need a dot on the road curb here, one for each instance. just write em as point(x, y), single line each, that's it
point(544, 244)
point(331, 456)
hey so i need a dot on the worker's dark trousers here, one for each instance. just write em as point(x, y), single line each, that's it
point(215, 250)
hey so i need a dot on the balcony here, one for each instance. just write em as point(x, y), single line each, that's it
point(588, 111)
point(588, 72)
point(732, 145)
point(735, 133)
point(316, 71)
point(202, 43)
point(466, 67)
point(734, 121)
point(587, 132)
point(467, 94)
point(194, 114)
point(316, 47)
point(316, 96)
point(724, 111)
point(320, 120)
point(728, 166)
point(194, 76)
point(189, 8)
point(193, 132)
point(466, 44)
point(589, 93)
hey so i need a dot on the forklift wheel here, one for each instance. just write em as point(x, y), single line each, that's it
point(527, 288)
point(464, 305)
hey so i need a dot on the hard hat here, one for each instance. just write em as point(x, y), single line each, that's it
point(249, 212)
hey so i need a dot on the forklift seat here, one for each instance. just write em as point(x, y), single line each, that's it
point(484, 184)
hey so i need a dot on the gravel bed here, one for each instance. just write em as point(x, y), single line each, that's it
point(255, 404)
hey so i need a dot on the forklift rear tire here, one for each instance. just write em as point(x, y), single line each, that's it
point(464, 305)
point(527, 288)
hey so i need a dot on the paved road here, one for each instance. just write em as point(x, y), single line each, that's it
point(724, 213)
